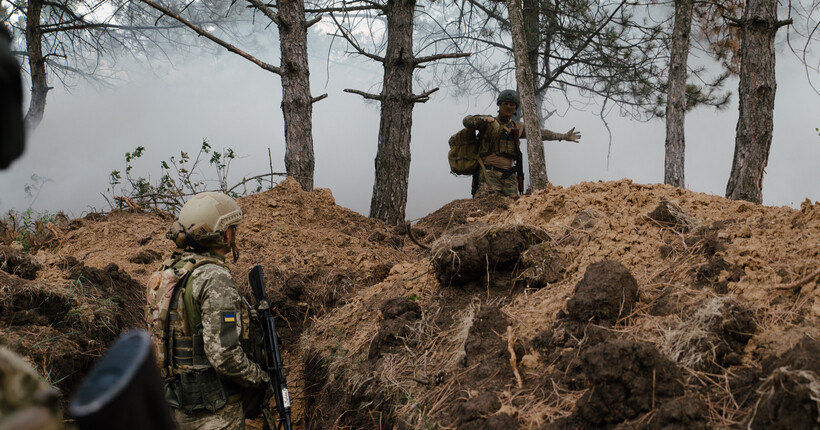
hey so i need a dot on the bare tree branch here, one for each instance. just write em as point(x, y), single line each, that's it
point(52, 28)
point(269, 67)
point(424, 97)
point(437, 57)
point(353, 43)
point(365, 95)
point(313, 21)
point(583, 46)
point(267, 11)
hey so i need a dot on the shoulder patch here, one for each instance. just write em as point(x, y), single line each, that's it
point(228, 330)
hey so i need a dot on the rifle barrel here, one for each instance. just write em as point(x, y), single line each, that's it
point(275, 366)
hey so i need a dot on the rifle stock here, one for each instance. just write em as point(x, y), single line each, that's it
point(274, 365)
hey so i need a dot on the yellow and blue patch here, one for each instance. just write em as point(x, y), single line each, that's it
point(226, 317)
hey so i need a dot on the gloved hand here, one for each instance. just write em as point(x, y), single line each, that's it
point(572, 135)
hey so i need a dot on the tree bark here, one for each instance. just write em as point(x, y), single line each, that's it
point(757, 90)
point(524, 78)
point(531, 11)
point(393, 157)
point(673, 169)
point(297, 105)
point(37, 65)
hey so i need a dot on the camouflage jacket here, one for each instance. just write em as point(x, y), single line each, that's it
point(479, 122)
point(224, 322)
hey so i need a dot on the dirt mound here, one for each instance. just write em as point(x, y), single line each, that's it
point(63, 327)
point(698, 268)
point(460, 212)
point(518, 318)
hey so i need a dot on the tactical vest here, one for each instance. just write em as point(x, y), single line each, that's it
point(175, 323)
point(499, 139)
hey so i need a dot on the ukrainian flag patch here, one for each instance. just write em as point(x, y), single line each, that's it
point(226, 317)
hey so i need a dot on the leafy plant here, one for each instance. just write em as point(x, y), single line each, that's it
point(29, 228)
point(180, 177)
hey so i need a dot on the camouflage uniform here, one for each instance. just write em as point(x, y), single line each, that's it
point(494, 181)
point(26, 400)
point(224, 321)
point(499, 151)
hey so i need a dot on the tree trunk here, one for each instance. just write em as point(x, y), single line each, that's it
point(37, 65)
point(393, 156)
point(524, 78)
point(297, 105)
point(531, 14)
point(757, 89)
point(673, 169)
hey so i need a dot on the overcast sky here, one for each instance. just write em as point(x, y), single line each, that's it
point(232, 103)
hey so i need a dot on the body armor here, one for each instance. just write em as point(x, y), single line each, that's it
point(175, 323)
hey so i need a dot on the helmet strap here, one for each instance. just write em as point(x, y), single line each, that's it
point(234, 251)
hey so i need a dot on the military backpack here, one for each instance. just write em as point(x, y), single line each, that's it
point(162, 294)
point(463, 154)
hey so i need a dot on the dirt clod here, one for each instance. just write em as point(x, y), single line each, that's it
point(17, 263)
point(786, 390)
point(468, 253)
point(145, 256)
point(711, 337)
point(687, 412)
point(606, 293)
point(542, 266)
point(672, 216)
point(627, 379)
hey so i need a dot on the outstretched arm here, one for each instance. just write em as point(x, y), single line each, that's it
point(572, 135)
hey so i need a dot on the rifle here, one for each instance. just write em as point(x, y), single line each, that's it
point(519, 160)
point(274, 365)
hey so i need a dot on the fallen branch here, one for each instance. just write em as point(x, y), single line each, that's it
point(131, 204)
point(799, 282)
point(89, 253)
point(510, 343)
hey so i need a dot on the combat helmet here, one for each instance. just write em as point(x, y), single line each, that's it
point(508, 96)
point(203, 221)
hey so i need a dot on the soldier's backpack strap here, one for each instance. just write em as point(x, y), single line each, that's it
point(192, 309)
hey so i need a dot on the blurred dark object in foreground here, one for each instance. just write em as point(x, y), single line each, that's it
point(124, 390)
point(12, 134)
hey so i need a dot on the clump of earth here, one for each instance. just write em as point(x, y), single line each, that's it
point(601, 305)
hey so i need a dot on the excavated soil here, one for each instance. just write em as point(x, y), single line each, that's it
point(602, 305)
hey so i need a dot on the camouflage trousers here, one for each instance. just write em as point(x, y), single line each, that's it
point(493, 181)
point(230, 417)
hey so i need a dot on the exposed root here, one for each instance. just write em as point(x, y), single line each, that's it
point(510, 344)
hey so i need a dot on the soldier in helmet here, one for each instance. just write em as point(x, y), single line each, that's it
point(502, 170)
point(208, 364)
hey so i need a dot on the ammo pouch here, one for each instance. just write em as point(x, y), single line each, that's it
point(197, 390)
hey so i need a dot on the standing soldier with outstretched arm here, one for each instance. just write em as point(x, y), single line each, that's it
point(501, 168)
